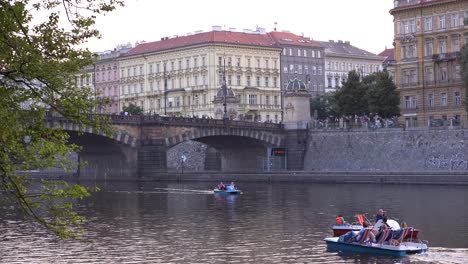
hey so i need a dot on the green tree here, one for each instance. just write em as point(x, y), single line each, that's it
point(351, 98)
point(464, 72)
point(324, 105)
point(39, 62)
point(382, 96)
point(133, 109)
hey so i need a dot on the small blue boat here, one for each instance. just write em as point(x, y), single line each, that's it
point(401, 250)
point(229, 191)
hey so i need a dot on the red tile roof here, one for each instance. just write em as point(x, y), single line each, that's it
point(389, 54)
point(288, 38)
point(263, 40)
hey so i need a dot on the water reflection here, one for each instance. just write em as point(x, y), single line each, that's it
point(187, 223)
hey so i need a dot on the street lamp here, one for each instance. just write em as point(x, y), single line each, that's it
point(225, 116)
point(165, 89)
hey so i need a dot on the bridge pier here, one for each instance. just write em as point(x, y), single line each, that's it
point(296, 144)
point(152, 158)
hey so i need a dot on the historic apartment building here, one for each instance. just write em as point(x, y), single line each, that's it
point(107, 79)
point(303, 58)
point(182, 75)
point(428, 38)
point(389, 63)
point(341, 57)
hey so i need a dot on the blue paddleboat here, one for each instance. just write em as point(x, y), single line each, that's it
point(380, 247)
point(229, 190)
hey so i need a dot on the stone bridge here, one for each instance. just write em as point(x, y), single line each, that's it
point(139, 143)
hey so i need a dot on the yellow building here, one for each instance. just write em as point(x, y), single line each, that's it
point(428, 38)
point(181, 76)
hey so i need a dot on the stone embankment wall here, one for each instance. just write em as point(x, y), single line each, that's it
point(194, 152)
point(392, 150)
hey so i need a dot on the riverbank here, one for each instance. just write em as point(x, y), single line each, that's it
point(327, 177)
point(454, 178)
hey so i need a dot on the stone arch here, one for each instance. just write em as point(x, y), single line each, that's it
point(121, 136)
point(267, 138)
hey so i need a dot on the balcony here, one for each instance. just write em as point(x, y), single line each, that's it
point(446, 56)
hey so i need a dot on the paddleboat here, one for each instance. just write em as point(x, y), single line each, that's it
point(229, 190)
point(385, 245)
point(401, 250)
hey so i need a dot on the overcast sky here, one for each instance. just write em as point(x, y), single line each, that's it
point(367, 24)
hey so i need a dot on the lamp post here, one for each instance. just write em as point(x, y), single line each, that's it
point(225, 116)
point(165, 89)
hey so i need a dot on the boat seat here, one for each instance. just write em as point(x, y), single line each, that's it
point(403, 234)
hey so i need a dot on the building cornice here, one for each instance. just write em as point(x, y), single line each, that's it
point(422, 4)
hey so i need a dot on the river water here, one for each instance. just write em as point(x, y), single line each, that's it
point(277, 223)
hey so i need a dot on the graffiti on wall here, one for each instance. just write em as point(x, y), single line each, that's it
point(454, 162)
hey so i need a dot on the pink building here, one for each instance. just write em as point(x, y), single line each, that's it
point(107, 79)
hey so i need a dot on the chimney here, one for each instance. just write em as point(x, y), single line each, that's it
point(232, 29)
point(347, 43)
point(340, 41)
point(216, 28)
point(331, 41)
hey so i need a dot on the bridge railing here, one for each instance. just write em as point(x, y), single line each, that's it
point(178, 121)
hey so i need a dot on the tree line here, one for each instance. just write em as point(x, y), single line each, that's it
point(370, 95)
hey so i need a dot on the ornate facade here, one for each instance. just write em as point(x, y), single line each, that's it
point(181, 75)
point(428, 38)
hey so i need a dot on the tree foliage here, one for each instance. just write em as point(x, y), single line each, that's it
point(325, 106)
point(351, 98)
point(39, 62)
point(382, 97)
point(133, 109)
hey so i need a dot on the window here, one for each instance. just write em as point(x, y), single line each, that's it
point(407, 102)
point(455, 20)
point(204, 79)
point(151, 68)
point(319, 70)
point(319, 54)
point(187, 63)
point(258, 63)
point(430, 100)
point(203, 61)
point(414, 102)
point(180, 65)
point(275, 64)
point(229, 61)
point(267, 100)
point(229, 80)
point(457, 98)
point(172, 66)
point(442, 46)
point(298, 52)
point(404, 27)
point(412, 27)
point(299, 69)
point(252, 99)
point(248, 81)
point(195, 62)
point(456, 72)
point(290, 52)
point(267, 64)
point(157, 67)
point(428, 24)
point(312, 53)
point(276, 100)
point(429, 74)
point(238, 62)
point(141, 71)
point(314, 70)
point(275, 82)
point(441, 22)
point(455, 44)
point(220, 61)
point(258, 81)
point(429, 48)
point(151, 86)
point(443, 73)
point(267, 82)
point(443, 99)
point(220, 79)
point(248, 62)
point(305, 53)
point(195, 80)
point(238, 80)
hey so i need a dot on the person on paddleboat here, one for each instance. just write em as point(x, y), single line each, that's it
point(340, 220)
point(221, 186)
point(380, 215)
point(231, 187)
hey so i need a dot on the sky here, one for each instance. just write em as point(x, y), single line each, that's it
point(367, 24)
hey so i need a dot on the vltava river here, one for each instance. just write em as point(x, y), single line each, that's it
point(186, 223)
